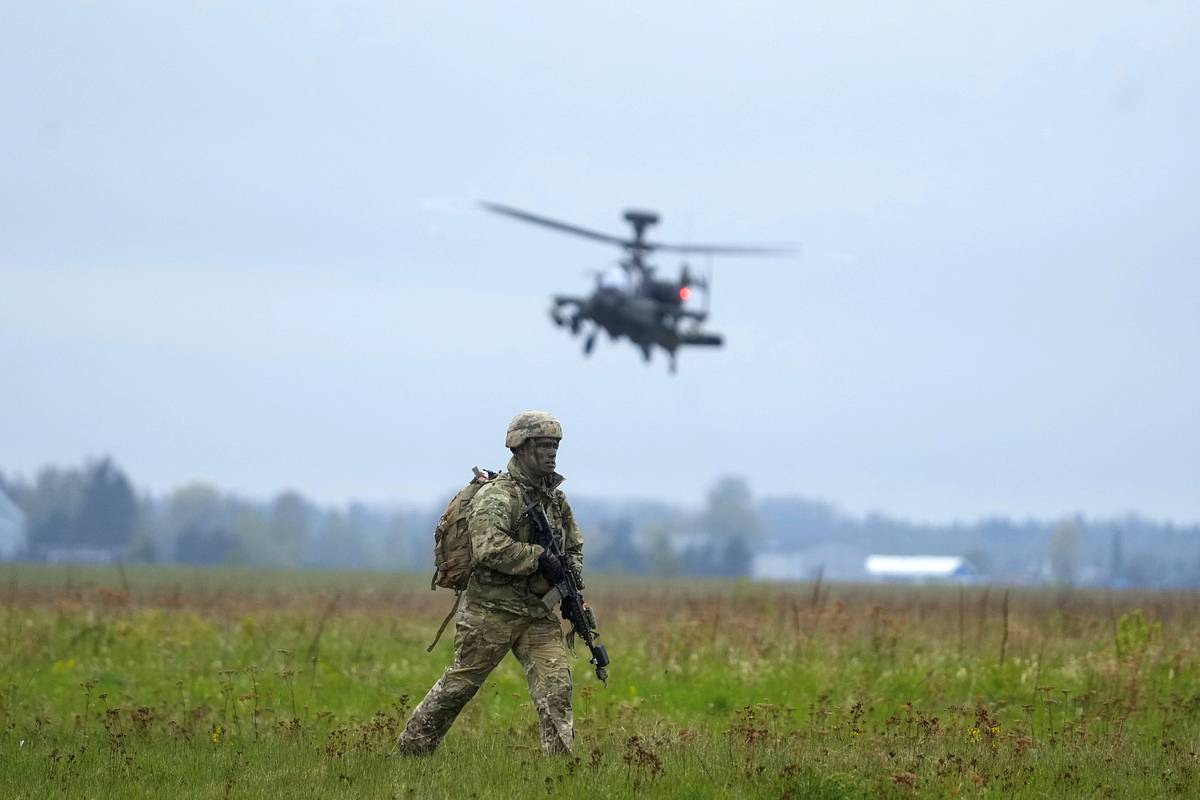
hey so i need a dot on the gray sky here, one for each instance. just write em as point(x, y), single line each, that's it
point(241, 246)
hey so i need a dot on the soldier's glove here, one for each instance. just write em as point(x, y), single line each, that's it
point(551, 569)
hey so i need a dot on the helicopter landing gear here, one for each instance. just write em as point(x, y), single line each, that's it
point(671, 365)
point(575, 323)
point(646, 354)
point(589, 343)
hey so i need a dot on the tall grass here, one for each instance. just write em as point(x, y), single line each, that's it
point(230, 683)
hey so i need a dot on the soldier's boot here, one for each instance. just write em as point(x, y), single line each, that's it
point(479, 644)
point(543, 654)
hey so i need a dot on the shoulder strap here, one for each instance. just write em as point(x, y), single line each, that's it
point(516, 506)
point(446, 621)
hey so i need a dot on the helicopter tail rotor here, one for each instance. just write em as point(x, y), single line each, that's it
point(689, 280)
point(708, 276)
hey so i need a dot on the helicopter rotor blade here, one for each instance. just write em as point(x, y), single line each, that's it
point(722, 249)
point(565, 227)
point(639, 245)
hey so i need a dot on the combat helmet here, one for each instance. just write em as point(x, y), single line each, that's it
point(531, 425)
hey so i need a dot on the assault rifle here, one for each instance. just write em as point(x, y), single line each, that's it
point(566, 592)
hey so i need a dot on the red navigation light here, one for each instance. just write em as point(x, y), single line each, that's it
point(684, 293)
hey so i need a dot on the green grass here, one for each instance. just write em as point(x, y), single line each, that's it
point(231, 683)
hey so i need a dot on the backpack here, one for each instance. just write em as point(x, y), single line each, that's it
point(452, 559)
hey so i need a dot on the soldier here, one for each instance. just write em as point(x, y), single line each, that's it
point(502, 608)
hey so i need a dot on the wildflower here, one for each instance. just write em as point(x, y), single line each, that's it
point(973, 733)
point(217, 732)
point(995, 729)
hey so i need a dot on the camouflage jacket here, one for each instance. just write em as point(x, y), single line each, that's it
point(506, 564)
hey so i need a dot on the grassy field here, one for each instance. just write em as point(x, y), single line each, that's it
point(227, 683)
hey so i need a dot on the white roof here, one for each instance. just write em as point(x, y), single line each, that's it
point(9, 509)
point(914, 565)
point(12, 527)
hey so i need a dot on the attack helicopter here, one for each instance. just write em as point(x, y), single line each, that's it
point(634, 303)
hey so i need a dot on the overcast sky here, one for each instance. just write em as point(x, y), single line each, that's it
point(241, 245)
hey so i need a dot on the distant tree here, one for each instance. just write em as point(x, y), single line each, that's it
point(250, 525)
point(396, 547)
point(51, 508)
point(729, 517)
point(289, 532)
point(1116, 560)
point(341, 544)
point(152, 538)
point(108, 513)
point(737, 559)
point(1063, 552)
point(793, 522)
point(195, 504)
point(206, 546)
point(729, 512)
point(980, 559)
point(700, 560)
point(660, 554)
point(616, 550)
point(199, 521)
point(142, 549)
point(1144, 569)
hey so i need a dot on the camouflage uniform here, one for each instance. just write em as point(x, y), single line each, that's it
point(502, 611)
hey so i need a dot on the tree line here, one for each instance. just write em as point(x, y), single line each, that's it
point(94, 512)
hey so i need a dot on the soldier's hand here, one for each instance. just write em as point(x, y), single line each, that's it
point(551, 569)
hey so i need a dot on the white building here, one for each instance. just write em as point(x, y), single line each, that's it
point(921, 569)
point(12, 527)
point(830, 561)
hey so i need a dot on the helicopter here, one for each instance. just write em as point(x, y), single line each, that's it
point(634, 303)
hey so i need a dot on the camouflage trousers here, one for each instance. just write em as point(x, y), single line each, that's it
point(482, 637)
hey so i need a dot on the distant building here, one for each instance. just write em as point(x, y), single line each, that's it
point(79, 555)
point(921, 569)
point(830, 561)
point(12, 527)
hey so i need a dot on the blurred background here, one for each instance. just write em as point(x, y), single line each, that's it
point(251, 314)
